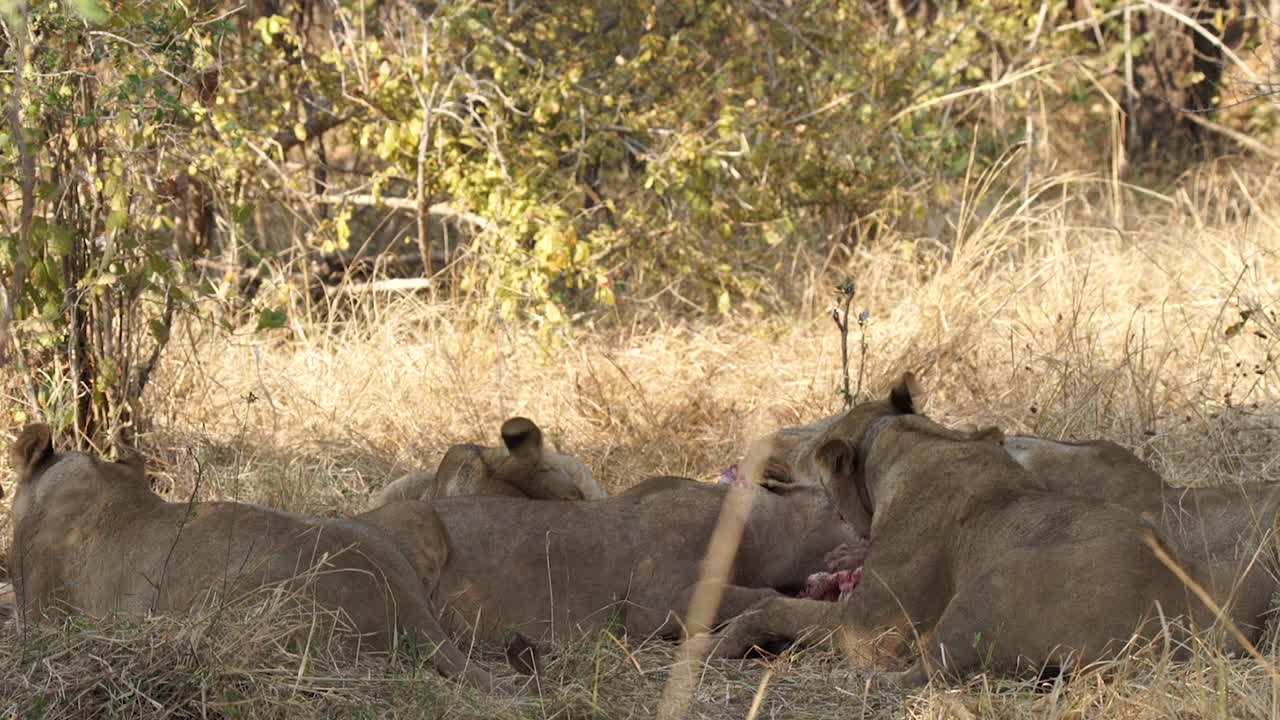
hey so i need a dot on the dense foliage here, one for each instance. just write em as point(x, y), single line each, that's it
point(544, 159)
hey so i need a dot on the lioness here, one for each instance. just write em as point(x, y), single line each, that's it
point(633, 559)
point(521, 468)
point(1230, 529)
point(787, 453)
point(90, 535)
point(1094, 468)
point(989, 571)
point(1227, 530)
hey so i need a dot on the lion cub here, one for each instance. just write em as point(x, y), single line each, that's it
point(90, 535)
point(522, 467)
point(988, 571)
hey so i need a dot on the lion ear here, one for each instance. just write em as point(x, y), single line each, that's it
point(133, 460)
point(837, 458)
point(34, 444)
point(907, 396)
point(523, 439)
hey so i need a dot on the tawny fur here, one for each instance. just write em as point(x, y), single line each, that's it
point(965, 553)
point(558, 568)
point(1229, 531)
point(521, 467)
point(91, 536)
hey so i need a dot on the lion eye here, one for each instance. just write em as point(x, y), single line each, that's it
point(777, 474)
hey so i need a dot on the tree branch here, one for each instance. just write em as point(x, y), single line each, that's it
point(316, 126)
point(440, 209)
point(16, 26)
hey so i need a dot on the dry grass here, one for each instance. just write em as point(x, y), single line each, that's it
point(1057, 318)
point(256, 657)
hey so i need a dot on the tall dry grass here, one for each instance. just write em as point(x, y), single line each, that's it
point(1060, 311)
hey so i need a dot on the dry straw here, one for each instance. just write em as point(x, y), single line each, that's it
point(1043, 316)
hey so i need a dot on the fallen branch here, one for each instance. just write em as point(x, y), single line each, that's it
point(391, 285)
point(318, 125)
point(439, 209)
point(1249, 143)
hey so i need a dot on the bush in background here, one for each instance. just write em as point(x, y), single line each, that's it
point(551, 161)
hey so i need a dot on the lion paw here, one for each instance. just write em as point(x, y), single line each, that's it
point(913, 677)
point(736, 639)
point(848, 556)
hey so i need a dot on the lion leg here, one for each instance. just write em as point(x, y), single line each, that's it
point(951, 648)
point(674, 621)
point(775, 620)
point(734, 600)
point(861, 621)
point(737, 600)
point(778, 621)
point(446, 657)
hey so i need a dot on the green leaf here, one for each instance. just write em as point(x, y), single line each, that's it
point(108, 375)
point(159, 330)
point(159, 265)
point(59, 241)
point(90, 10)
point(342, 225)
point(271, 319)
point(117, 220)
point(44, 277)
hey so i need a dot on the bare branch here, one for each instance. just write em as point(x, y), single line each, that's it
point(840, 314)
point(439, 209)
point(1247, 142)
point(144, 373)
point(158, 584)
point(427, 102)
point(316, 126)
point(390, 285)
point(16, 27)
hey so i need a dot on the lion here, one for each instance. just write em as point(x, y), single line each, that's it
point(1227, 529)
point(523, 467)
point(91, 536)
point(1095, 468)
point(990, 572)
point(786, 453)
point(1230, 529)
point(632, 560)
point(784, 457)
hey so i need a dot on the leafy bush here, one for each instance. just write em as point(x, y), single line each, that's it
point(104, 129)
point(187, 156)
